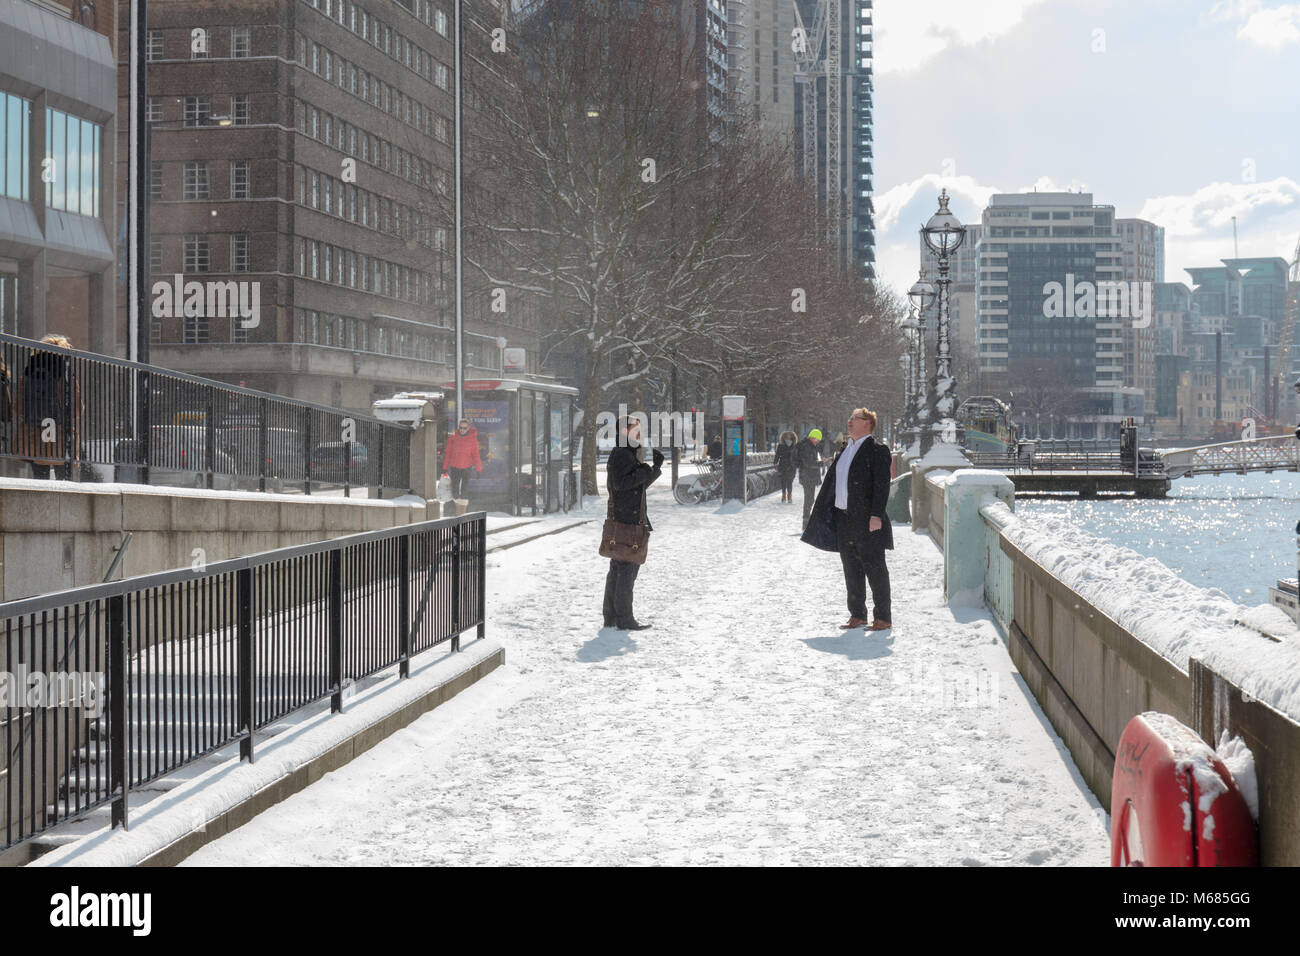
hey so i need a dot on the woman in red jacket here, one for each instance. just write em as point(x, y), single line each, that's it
point(460, 455)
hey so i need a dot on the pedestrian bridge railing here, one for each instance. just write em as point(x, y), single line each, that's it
point(111, 686)
point(1274, 453)
point(86, 415)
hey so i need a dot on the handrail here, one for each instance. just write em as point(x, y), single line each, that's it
point(193, 661)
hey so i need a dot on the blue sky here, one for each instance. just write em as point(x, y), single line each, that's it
point(1184, 112)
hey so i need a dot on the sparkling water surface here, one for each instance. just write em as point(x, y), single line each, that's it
point(1231, 532)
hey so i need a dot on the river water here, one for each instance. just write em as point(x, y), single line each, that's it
point(1231, 532)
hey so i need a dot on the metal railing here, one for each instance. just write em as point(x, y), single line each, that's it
point(1272, 453)
point(85, 414)
point(141, 677)
point(1033, 461)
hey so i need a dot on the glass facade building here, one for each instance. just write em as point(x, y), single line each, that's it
point(57, 123)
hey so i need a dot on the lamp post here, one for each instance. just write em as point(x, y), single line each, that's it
point(920, 295)
point(943, 236)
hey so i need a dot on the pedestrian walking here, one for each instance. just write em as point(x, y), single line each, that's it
point(807, 460)
point(461, 457)
point(49, 406)
point(849, 517)
point(627, 528)
point(715, 447)
point(783, 460)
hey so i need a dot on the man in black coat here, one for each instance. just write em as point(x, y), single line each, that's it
point(808, 460)
point(849, 517)
point(626, 479)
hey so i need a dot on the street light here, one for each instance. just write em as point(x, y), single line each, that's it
point(943, 236)
point(921, 295)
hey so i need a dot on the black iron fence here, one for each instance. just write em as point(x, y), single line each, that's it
point(85, 416)
point(108, 687)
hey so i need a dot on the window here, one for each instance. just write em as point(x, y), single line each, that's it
point(196, 181)
point(153, 109)
point(440, 22)
point(197, 110)
point(239, 179)
point(239, 246)
point(15, 144)
point(441, 75)
point(72, 148)
point(239, 109)
point(154, 49)
point(155, 179)
point(155, 254)
point(241, 43)
point(196, 256)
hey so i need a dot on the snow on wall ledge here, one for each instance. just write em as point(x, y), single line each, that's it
point(1175, 618)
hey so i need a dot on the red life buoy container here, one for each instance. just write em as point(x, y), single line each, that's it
point(1174, 803)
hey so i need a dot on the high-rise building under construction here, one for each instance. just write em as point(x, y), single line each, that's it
point(833, 123)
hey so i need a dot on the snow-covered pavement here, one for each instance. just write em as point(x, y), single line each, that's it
point(743, 728)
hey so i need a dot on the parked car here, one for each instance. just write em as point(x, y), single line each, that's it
point(328, 459)
point(178, 456)
point(285, 461)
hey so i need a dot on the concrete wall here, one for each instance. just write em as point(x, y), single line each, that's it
point(60, 535)
point(1091, 676)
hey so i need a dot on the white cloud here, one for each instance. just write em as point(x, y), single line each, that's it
point(890, 204)
point(1269, 27)
point(1212, 207)
point(1227, 10)
point(1273, 28)
point(908, 33)
point(1046, 184)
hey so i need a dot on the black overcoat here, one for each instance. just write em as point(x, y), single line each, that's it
point(626, 479)
point(868, 495)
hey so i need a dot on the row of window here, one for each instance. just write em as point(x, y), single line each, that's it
point(339, 331)
point(197, 180)
point(196, 253)
point(241, 43)
point(341, 135)
point(329, 263)
point(330, 195)
point(197, 109)
point(375, 92)
point(70, 168)
point(380, 35)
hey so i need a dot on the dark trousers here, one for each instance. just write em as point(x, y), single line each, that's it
point(862, 566)
point(459, 481)
point(787, 483)
point(618, 593)
point(809, 499)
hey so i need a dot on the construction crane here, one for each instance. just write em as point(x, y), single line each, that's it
point(1289, 324)
point(821, 56)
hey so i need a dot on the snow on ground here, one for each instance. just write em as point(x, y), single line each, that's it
point(743, 728)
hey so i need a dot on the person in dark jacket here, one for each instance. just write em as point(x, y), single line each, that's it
point(783, 460)
point(626, 477)
point(807, 460)
point(849, 517)
point(715, 447)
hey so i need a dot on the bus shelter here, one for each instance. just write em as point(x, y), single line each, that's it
point(525, 436)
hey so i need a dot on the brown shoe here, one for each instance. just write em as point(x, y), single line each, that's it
point(854, 622)
point(879, 625)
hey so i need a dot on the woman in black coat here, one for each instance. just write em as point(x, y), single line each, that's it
point(626, 478)
point(785, 465)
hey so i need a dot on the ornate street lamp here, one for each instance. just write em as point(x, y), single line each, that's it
point(921, 295)
point(943, 236)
